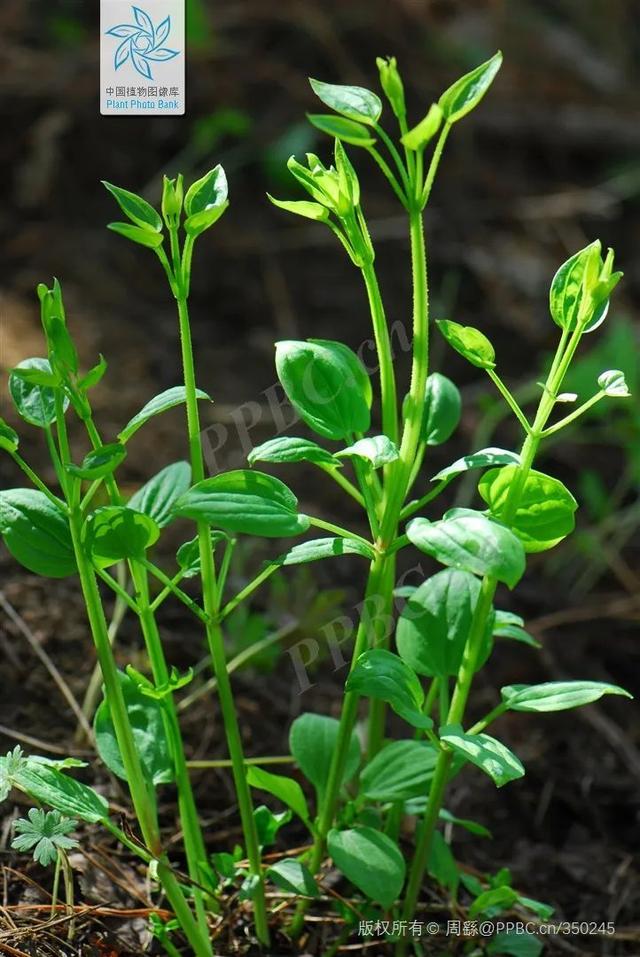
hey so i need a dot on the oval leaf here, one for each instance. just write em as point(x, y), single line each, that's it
point(247, 502)
point(442, 409)
point(613, 383)
point(319, 548)
point(478, 460)
point(354, 102)
point(9, 438)
point(157, 498)
point(312, 741)
point(211, 191)
point(115, 532)
point(341, 128)
point(36, 533)
point(488, 754)
point(470, 541)
point(99, 462)
point(546, 513)
point(160, 403)
point(147, 723)
point(285, 789)
point(35, 402)
point(469, 342)
point(370, 860)
point(421, 134)
point(327, 385)
point(400, 771)
point(568, 287)
point(467, 92)
point(377, 450)
point(293, 876)
point(380, 674)
point(291, 449)
point(435, 622)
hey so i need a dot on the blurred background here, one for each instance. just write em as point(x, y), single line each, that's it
point(546, 164)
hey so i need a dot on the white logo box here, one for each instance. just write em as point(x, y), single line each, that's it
point(142, 57)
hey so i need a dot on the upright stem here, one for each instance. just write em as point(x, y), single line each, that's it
point(388, 395)
point(187, 809)
point(213, 631)
point(471, 654)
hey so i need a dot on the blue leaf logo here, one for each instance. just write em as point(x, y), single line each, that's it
point(142, 43)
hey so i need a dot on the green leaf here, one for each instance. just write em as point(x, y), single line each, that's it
point(493, 900)
point(377, 450)
point(318, 548)
point(472, 826)
point(143, 237)
point(478, 460)
point(546, 513)
point(285, 789)
point(348, 184)
point(160, 403)
point(99, 462)
point(391, 83)
point(557, 695)
point(575, 276)
point(209, 192)
point(471, 542)
point(158, 496)
point(93, 376)
point(433, 628)
point(472, 344)
point(312, 740)
point(35, 402)
point(442, 408)
point(291, 449)
point(349, 131)
point(354, 102)
point(614, 384)
point(488, 754)
point(400, 771)
point(327, 385)
point(44, 833)
point(441, 863)
point(515, 944)
point(424, 131)
point(466, 93)
point(114, 532)
point(36, 533)
point(9, 438)
point(135, 208)
point(381, 675)
point(268, 824)
point(188, 555)
point(146, 716)
point(302, 207)
point(294, 877)
point(370, 860)
point(199, 222)
point(46, 784)
point(243, 501)
point(508, 625)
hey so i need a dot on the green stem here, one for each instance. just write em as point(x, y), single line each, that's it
point(213, 632)
point(247, 590)
point(395, 155)
point(345, 729)
point(575, 414)
point(37, 481)
point(377, 708)
point(189, 820)
point(509, 399)
point(141, 795)
point(477, 631)
point(169, 583)
point(412, 507)
point(435, 162)
point(223, 763)
point(388, 396)
point(384, 166)
point(56, 885)
point(338, 530)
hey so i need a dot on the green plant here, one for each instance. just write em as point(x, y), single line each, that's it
point(447, 628)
